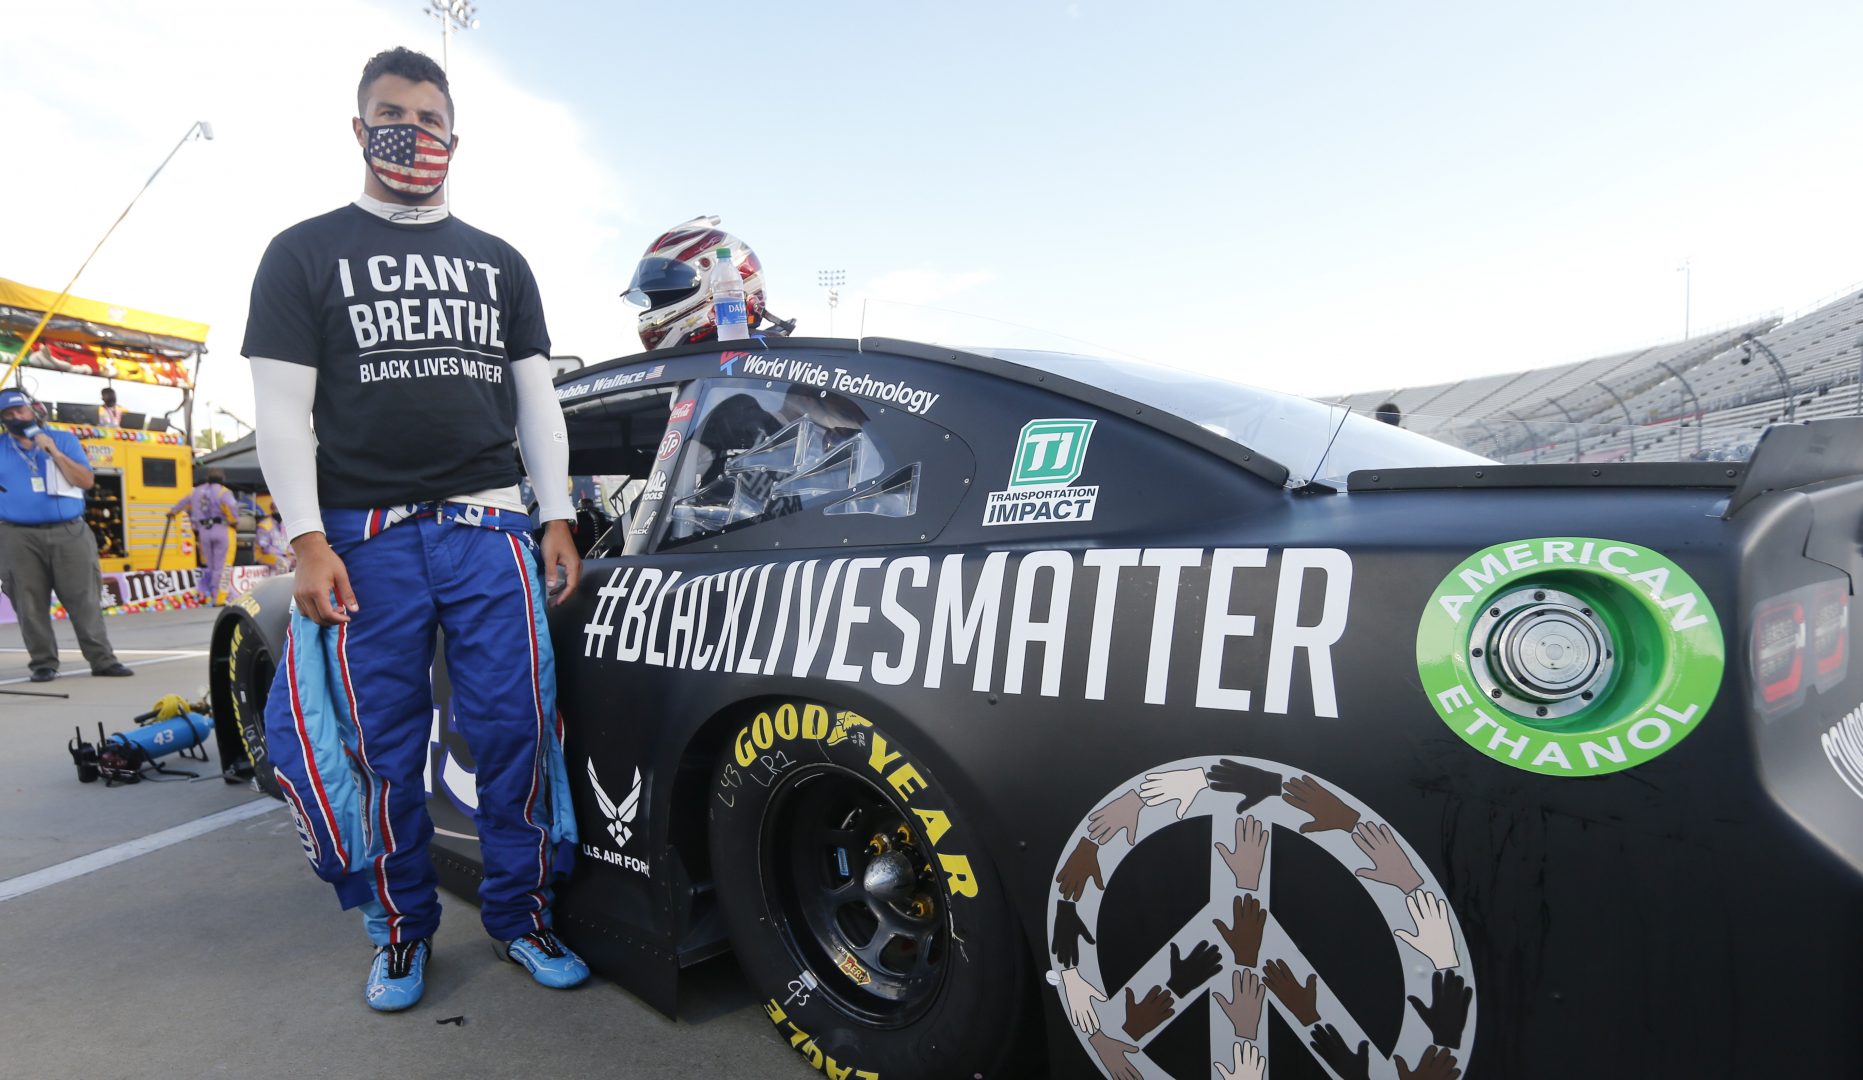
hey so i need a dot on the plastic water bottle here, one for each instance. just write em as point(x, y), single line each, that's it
point(728, 298)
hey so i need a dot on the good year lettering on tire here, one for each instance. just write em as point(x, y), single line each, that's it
point(858, 899)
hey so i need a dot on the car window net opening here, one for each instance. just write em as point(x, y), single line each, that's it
point(760, 454)
point(612, 445)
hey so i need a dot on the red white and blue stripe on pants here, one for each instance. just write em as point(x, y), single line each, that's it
point(351, 712)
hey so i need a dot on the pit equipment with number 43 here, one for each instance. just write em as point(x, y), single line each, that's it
point(173, 726)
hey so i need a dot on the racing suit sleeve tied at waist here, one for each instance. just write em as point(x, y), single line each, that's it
point(335, 800)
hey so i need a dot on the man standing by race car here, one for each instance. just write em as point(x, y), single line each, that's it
point(417, 345)
point(45, 546)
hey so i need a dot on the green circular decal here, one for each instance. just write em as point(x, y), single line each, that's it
point(1618, 643)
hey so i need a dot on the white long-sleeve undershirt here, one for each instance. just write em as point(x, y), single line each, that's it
point(284, 393)
point(543, 438)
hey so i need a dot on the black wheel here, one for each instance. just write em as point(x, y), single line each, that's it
point(249, 669)
point(859, 901)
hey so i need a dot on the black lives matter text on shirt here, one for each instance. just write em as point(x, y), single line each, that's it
point(412, 329)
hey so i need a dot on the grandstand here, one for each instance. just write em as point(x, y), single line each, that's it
point(1705, 398)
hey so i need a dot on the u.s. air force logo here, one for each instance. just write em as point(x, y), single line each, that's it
point(619, 819)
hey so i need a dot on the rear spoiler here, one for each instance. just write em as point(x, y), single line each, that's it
point(1800, 455)
point(1788, 456)
point(1636, 474)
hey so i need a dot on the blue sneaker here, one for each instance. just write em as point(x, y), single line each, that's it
point(398, 976)
point(548, 960)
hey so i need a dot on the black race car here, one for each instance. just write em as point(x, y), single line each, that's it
point(1020, 712)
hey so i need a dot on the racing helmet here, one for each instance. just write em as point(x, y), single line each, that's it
point(669, 284)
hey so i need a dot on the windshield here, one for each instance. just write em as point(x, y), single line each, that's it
point(1326, 441)
point(1314, 440)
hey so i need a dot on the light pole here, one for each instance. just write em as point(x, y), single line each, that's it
point(1785, 381)
point(1688, 283)
point(452, 13)
point(206, 132)
point(233, 417)
point(1628, 420)
point(1499, 447)
point(832, 280)
point(1699, 415)
point(1578, 438)
point(1532, 436)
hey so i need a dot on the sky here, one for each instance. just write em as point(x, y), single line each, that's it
point(1320, 198)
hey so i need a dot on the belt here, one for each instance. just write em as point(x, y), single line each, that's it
point(37, 524)
point(210, 522)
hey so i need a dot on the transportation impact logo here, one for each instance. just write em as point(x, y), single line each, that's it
point(1050, 455)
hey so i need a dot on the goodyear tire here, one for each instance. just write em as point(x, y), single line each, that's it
point(863, 912)
point(248, 671)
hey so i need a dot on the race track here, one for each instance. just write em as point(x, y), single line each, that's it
point(192, 940)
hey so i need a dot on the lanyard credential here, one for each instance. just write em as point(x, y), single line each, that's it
point(33, 465)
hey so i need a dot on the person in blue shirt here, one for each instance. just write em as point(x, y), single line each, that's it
point(45, 546)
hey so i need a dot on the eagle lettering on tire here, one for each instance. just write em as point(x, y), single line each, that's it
point(1203, 838)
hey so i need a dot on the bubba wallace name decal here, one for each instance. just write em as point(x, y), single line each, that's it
point(1013, 623)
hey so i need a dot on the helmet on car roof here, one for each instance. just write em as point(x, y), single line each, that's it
point(669, 284)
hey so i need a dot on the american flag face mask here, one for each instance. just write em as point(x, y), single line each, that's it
point(407, 158)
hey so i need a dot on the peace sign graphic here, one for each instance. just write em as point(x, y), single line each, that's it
point(1200, 840)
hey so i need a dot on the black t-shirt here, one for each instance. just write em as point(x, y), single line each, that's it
point(413, 329)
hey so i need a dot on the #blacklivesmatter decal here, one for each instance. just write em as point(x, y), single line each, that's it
point(915, 620)
point(1665, 642)
point(1049, 457)
point(1211, 902)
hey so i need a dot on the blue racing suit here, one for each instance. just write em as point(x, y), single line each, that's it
point(350, 712)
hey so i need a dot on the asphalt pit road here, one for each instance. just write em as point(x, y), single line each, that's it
point(1337, 926)
point(1159, 888)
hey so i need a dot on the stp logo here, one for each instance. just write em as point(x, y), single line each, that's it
point(669, 445)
